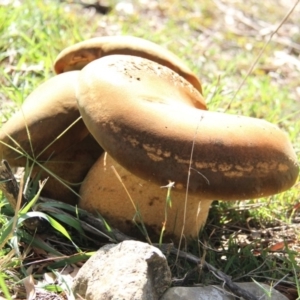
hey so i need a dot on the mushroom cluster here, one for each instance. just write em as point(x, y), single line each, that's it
point(140, 104)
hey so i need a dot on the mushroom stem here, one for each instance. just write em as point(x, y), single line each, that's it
point(102, 192)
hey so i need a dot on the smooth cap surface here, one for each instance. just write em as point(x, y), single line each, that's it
point(44, 115)
point(154, 134)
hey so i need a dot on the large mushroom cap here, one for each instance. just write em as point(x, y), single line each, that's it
point(44, 115)
point(77, 56)
point(153, 133)
point(102, 192)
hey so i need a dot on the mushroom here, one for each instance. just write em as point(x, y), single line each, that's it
point(67, 170)
point(77, 56)
point(102, 192)
point(153, 123)
point(52, 108)
point(145, 118)
point(45, 115)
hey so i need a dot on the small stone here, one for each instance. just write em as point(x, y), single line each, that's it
point(130, 270)
point(219, 293)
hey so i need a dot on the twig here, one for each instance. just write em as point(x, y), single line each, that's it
point(97, 5)
point(238, 291)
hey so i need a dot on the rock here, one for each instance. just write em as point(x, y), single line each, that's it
point(130, 270)
point(218, 292)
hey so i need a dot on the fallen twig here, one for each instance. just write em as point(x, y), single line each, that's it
point(238, 291)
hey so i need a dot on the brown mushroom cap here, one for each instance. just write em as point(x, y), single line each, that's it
point(102, 192)
point(77, 56)
point(44, 115)
point(47, 113)
point(141, 118)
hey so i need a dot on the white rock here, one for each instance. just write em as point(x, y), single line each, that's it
point(130, 270)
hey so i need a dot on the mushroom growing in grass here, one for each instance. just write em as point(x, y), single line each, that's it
point(38, 133)
point(44, 115)
point(79, 55)
point(101, 191)
point(52, 108)
point(146, 120)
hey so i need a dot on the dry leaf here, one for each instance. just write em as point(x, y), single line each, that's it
point(29, 286)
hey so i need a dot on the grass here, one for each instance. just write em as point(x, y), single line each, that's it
point(219, 41)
